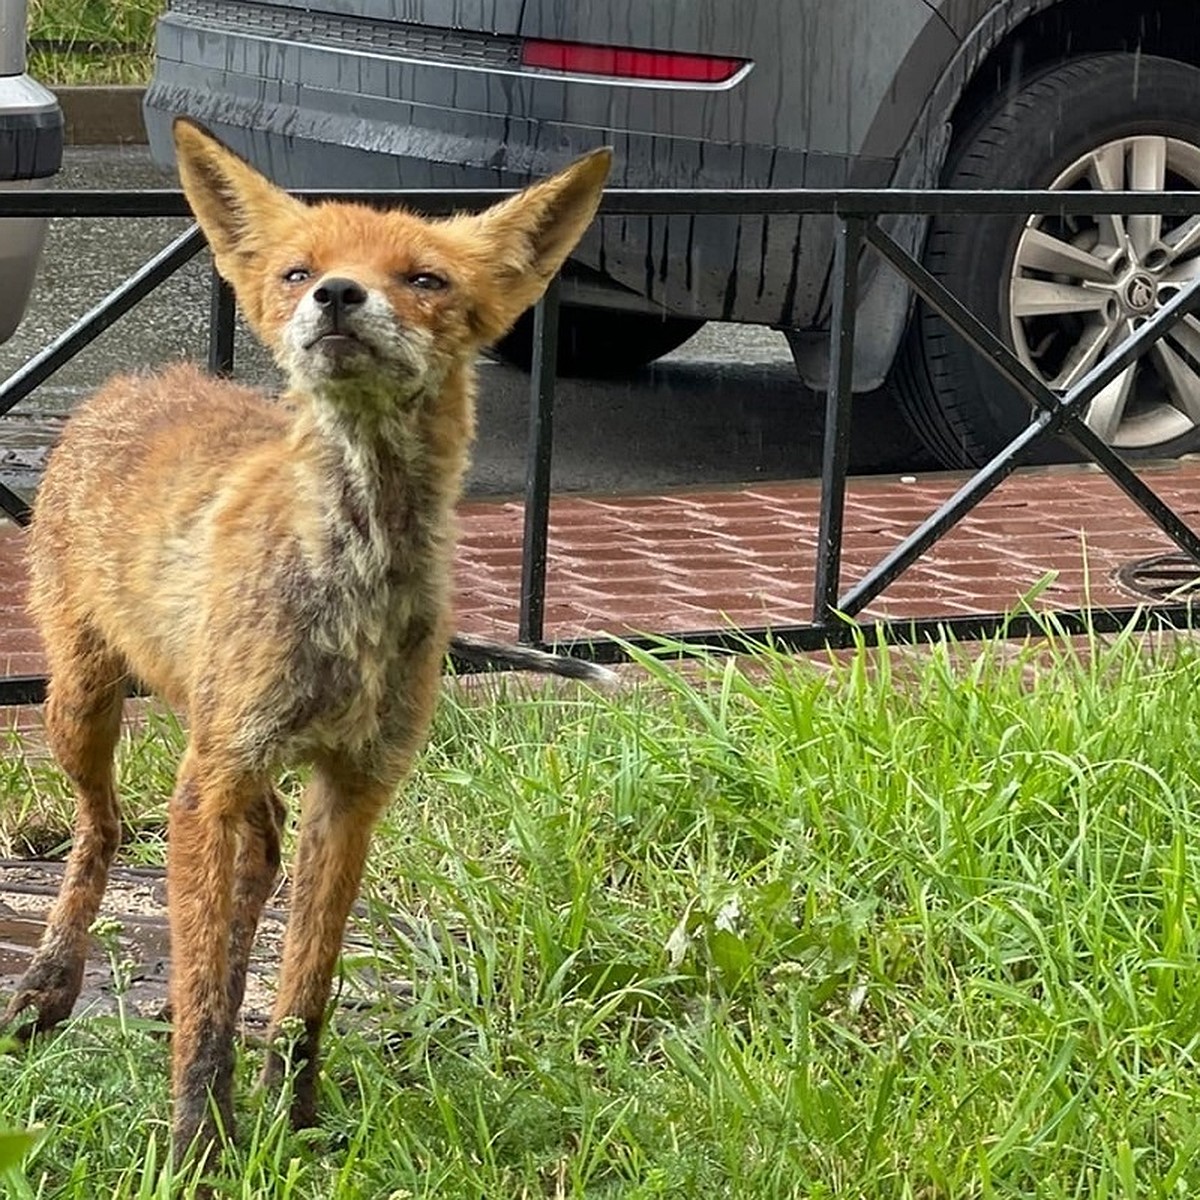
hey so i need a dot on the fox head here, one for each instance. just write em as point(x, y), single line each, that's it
point(348, 296)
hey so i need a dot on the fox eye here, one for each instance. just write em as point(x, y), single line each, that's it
point(297, 275)
point(427, 281)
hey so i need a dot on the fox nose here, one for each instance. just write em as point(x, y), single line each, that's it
point(337, 296)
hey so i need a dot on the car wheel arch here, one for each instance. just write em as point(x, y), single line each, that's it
point(886, 302)
point(989, 45)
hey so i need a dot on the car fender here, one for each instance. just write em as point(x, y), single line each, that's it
point(885, 299)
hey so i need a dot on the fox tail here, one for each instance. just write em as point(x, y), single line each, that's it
point(504, 656)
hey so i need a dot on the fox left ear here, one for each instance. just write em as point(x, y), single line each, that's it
point(527, 238)
point(237, 207)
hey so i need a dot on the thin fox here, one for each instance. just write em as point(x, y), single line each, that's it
point(278, 571)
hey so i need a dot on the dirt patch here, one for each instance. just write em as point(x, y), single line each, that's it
point(136, 900)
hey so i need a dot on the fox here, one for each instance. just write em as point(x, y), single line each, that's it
point(277, 570)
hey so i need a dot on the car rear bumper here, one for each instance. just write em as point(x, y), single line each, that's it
point(31, 130)
point(31, 148)
point(770, 270)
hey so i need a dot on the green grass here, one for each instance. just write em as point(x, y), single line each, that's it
point(909, 927)
point(92, 41)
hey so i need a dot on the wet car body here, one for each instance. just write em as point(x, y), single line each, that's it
point(818, 93)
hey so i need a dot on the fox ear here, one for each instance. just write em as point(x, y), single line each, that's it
point(527, 237)
point(235, 205)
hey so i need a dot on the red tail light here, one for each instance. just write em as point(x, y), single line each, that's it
point(582, 59)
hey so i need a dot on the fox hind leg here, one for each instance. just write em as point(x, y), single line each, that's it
point(338, 814)
point(83, 723)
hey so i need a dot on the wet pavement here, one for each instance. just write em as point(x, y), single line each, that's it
point(695, 559)
point(137, 947)
point(128, 964)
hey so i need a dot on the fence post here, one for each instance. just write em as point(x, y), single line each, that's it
point(839, 398)
point(531, 618)
point(222, 309)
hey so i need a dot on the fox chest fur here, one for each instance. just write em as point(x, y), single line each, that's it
point(353, 607)
point(364, 586)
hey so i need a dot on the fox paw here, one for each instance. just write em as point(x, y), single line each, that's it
point(44, 997)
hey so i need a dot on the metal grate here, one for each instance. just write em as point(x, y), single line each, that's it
point(354, 33)
point(1162, 577)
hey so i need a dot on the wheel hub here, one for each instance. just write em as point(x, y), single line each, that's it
point(1140, 293)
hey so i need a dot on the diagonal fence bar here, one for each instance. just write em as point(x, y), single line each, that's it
point(94, 322)
point(14, 506)
point(1056, 415)
point(943, 519)
point(84, 331)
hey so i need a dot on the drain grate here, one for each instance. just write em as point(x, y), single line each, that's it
point(1174, 577)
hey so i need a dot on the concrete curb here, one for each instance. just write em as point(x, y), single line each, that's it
point(102, 115)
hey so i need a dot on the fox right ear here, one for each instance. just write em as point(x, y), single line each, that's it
point(528, 237)
point(235, 205)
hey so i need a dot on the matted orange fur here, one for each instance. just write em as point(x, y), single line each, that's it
point(279, 572)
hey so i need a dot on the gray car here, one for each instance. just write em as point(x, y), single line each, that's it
point(1086, 94)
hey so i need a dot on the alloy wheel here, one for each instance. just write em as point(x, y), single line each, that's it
point(1079, 286)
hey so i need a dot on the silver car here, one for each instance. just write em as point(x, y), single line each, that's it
point(1071, 94)
point(31, 148)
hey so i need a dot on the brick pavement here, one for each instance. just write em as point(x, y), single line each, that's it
point(701, 558)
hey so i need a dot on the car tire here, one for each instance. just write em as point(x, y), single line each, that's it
point(600, 342)
point(1110, 121)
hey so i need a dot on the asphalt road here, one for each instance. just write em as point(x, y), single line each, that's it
point(726, 407)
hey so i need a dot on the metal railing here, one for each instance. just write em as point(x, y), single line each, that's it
point(855, 213)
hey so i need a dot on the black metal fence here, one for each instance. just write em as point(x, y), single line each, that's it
point(856, 213)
